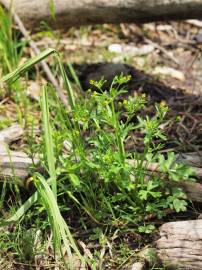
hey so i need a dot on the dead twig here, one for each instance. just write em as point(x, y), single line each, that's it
point(160, 48)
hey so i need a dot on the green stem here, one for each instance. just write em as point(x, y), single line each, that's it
point(117, 133)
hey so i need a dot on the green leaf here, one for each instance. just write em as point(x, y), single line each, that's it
point(61, 232)
point(49, 141)
point(21, 211)
point(151, 185)
point(179, 205)
point(74, 180)
point(143, 194)
point(146, 229)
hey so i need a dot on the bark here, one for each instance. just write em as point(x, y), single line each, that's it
point(193, 190)
point(192, 159)
point(69, 13)
point(14, 165)
point(180, 244)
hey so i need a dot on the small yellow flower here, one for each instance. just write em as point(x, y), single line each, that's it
point(106, 158)
point(120, 104)
point(91, 82)
point(125, 102)
point(163, 103)
point(149, 124)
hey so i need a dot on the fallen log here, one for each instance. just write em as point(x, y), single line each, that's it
point(14, 165)
point(192, 158)
point(68, 13)
point(10, 134)
point(180, 245)
point(193, 190)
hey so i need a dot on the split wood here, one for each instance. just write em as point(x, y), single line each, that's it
point(14, 165)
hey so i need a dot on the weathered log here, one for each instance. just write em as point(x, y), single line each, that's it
point(14, 165)
point(67, 13)
point(192, 159)
point(180, 244)
point(10, 134)
point(193, 190)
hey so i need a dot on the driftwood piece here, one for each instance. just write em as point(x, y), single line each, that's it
point(13, 164)
point(10, 134)
point(192, 159)
point(65, 13)
point(154, 167)
point(193, 190)
point(180, 244)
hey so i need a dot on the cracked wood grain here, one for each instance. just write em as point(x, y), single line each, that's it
point(180, 244)
point(14, 165)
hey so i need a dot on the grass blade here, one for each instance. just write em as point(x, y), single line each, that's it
point(14, 75)
point(60, 229)
point(67, 83)
point(74, 76)
point(49, 141)
point(21, 211)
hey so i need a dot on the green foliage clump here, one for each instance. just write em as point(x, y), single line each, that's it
point(99, 175)
point(88, 168)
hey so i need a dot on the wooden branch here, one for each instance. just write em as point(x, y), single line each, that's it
point(154, 167)
point(14, 165)
point(10, 134)
point(192, 159)
point(180, 244)
point(68, 13)
point(193, 190)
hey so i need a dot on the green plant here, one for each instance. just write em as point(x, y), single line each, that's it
point(48, 197)
point(5, 122)
point(11, 53)
point(96, 172)
point(10, 47)
point(88, 167)
point(52, 9)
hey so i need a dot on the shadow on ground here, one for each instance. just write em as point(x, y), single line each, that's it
point(140, 82)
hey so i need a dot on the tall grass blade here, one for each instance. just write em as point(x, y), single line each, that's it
point(74, 76)
point(15, 75)
point(21, 211)
point(49, 141)
point(67, 83)
point(62, 234)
